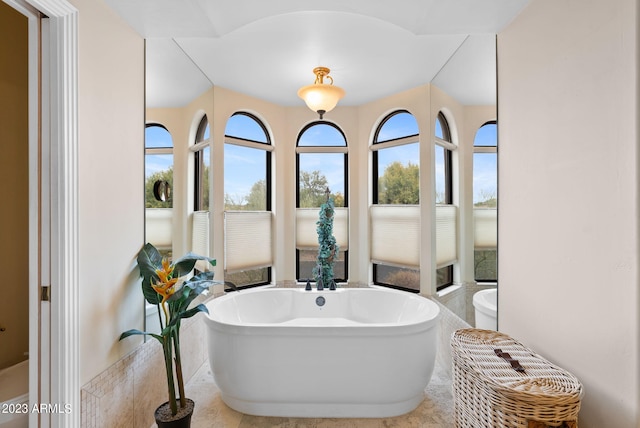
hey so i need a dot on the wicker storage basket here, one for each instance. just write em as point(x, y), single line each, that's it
point(497, 382)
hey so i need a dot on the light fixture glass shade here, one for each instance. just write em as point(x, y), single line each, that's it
point(321, 97)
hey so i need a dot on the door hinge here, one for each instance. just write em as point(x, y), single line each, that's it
point(44, 293)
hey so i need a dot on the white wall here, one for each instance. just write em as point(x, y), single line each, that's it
point(111, 174)
point(568, 183)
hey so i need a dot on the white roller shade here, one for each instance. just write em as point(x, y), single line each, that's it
point(247, 240)
point(200, 233)
point(446, 234)
point(395, 235)
point(158, 227)
point(485, 224)
point(306, 234)
point(200, 237)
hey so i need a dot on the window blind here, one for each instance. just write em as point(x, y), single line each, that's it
point(306, 234)
point(200, 233)
point(395, 235)
point(200, 237)
point(485, 225)
point(247, 240)
point(158, 227)
point(446, 234)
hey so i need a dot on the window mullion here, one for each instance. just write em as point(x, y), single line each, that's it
point(394, 143)
point(445, 144)
point(248, 143)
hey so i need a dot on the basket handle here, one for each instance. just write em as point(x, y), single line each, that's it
point(515, 364)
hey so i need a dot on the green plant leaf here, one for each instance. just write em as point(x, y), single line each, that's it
point(149, 259)
point(150, 294)
point(169, 330)
point(202, 276)
point(134, 332)
point(186, 263)
point(191, 312)
point(181, 299)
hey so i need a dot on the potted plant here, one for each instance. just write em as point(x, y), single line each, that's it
point(164, 285)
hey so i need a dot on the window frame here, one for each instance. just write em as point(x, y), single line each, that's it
point(446, 143)
point(154, 151)
point(268, 148)
point(199, 148)
point(493, 149)
point(254, 144)
point(444, 274)
point(376, 146)
point(319, 150)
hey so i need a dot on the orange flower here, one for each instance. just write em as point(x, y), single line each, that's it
point(166, 271)
point(166, 286)
point(165, 289)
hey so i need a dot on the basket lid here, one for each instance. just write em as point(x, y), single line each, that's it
point(509, 366)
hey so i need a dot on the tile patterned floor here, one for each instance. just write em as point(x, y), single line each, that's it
point(436, 411)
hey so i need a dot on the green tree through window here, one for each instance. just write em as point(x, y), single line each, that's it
point(400, 184)
point(149, 197)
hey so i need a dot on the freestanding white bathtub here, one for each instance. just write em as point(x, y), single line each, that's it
point(359, 352)
point(14, 396)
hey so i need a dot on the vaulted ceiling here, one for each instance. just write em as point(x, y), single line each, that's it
point(268, 49)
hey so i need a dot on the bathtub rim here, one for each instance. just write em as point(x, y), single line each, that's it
point(362, 329)
point(482, 302)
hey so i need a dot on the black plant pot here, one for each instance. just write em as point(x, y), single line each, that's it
point(182, 419)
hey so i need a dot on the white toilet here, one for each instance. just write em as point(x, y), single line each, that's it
point(486, 304)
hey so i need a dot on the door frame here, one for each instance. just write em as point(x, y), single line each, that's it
point(60, 378)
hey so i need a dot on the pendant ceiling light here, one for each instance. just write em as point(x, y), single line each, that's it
point(321, 97)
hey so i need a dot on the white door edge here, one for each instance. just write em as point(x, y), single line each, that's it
point(55, 382)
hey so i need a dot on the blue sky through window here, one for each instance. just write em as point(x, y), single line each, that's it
point(322, 135)
point(246, 127)
point(157, 137)
point(243, 166)
point(485, 165)
point(398, 125)
point(487, 135)
point(330, 165)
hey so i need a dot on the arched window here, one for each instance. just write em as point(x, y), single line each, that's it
point(202, 162)
point(201, 149)
point(158, 171)
point(395, 214)
point(485, 202)
point(446, 212)
point(247, 197)
point(444, 188)
point(321, 164)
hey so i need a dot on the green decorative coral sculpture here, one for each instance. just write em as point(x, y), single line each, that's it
point(328, 248)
